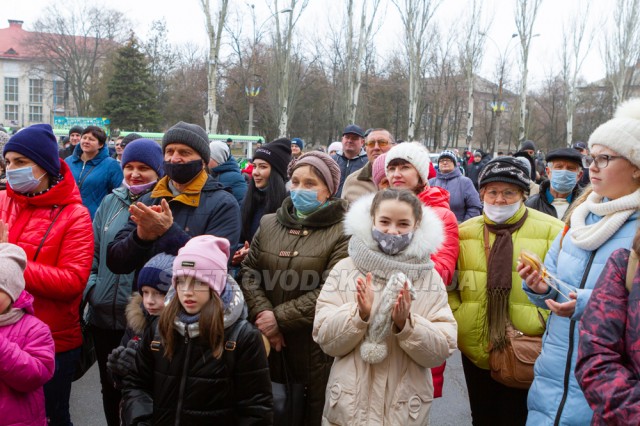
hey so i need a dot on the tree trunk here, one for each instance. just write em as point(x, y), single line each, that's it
point(215, 35)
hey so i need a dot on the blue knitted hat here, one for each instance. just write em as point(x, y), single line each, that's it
point(39, 144)
point(145, 151)
point(157, 272)
point(298, 142)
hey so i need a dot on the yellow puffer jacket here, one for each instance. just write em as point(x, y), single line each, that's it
point(469, 300)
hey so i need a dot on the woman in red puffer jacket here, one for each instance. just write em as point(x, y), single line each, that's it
point(44, 215)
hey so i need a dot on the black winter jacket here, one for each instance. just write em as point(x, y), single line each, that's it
point(539, 201)
point(194, 388)
point(216, 214)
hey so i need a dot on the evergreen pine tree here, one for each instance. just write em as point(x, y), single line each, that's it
point(132, 98)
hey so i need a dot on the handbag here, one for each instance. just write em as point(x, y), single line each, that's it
point(513, 365)
point(288, 399)
point(88, 350)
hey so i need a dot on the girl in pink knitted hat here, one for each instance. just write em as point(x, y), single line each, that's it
point(204, 363)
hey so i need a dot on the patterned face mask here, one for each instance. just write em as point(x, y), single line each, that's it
point(391, 244)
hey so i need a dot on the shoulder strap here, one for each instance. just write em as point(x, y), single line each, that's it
point(231, 343)
point(35, 257)
point(632, 267)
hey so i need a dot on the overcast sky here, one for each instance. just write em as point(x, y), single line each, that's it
point(185, 23)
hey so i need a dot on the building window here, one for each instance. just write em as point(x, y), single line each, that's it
point(35, 91)
point(11, 112)
point(35, 114)
point(58, 94)
point(11, 89)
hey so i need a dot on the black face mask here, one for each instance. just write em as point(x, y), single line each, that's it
point(182, 172)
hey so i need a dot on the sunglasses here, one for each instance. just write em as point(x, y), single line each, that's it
point(381, 143)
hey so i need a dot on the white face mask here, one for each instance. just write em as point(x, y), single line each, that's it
point(500, 213)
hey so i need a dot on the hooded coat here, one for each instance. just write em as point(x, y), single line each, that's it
point(284, 272)
point(399, 389)
point(27, 361)
point(95, 178)
point(58, 277)
point(463, 196)
point(194, 388)
point(228, 174)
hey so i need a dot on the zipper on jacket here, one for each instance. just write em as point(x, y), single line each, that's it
point(183, 379)
point(567, 367)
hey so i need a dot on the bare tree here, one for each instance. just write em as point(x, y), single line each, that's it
point(416, 16)
point(622, 48)
point(74, 39)
point(574, 51)
point(283, 40)
point(525, 17)
point(471, 46)
point(355, 50)
point(214, 33)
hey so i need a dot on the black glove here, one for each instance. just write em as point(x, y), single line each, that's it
point(121, 361)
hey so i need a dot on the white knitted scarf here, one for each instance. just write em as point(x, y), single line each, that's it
point(614, 214)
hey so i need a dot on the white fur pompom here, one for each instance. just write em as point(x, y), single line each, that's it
point(373, 352)
point(629, 109)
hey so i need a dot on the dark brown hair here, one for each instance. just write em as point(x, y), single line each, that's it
point(399, 162)
point(211, 324)
point(97, 133)
point(402, 195)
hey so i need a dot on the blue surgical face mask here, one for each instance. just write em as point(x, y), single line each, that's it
point(305, 201)
point(563, 181)
point(22, 180)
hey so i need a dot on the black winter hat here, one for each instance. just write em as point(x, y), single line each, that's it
point(76, 129)
point(191, 135)
point(527, 145)
point(277, 153)
point(507, 170)
point(129, 138)
point(568, 154)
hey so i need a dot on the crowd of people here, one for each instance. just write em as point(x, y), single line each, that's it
point(346, 279)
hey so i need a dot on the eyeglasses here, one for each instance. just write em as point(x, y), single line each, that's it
point(445, 160)
point(601, 160)
point(507, 194)
point(196, 285)
point(381, 143)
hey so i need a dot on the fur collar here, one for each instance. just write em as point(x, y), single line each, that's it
point(427, 239)
point(136, 314)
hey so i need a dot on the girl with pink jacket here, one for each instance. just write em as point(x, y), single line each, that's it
point(27, 352)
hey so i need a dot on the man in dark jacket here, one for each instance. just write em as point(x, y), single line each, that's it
point(564, 168)
point(75, 134)
point(352, 157)
point(528, 151)
point(582, 148)
point(185, 203)
point(480, 159)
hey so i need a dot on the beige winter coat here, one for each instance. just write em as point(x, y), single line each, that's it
point(398, 390)
point(358, 184)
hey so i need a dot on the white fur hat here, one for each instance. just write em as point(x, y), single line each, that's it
point(414, 153)
point(622, 133)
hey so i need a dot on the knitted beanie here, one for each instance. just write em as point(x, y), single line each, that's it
point(527, 145)
point(145, 151)
point(39, 144)
point(450, 155)
point(157, 273)
point(298, 142)
point(191, 135)
point(622, 133)
point(414, 153)
point(76, 129)
point(378, 170)
point(328, 168)
point(507, 170)
point(277, 153)
point(130, 138)
point(219, 151)
point(526, 163)
point(13, 261)
point(205, 258)
point(335, 146)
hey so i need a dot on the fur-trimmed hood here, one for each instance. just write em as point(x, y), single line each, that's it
point(137, 316)
point(427, 238)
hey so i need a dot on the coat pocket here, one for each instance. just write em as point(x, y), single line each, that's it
point(413, 400)
point(340, 403)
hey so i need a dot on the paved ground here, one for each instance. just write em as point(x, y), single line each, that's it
point(450, 410)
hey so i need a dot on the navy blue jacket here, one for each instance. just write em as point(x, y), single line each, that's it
point(217, 214)
point(348, 166)
point(229, 174)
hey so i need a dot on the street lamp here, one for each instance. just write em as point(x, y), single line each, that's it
point(498, 105)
